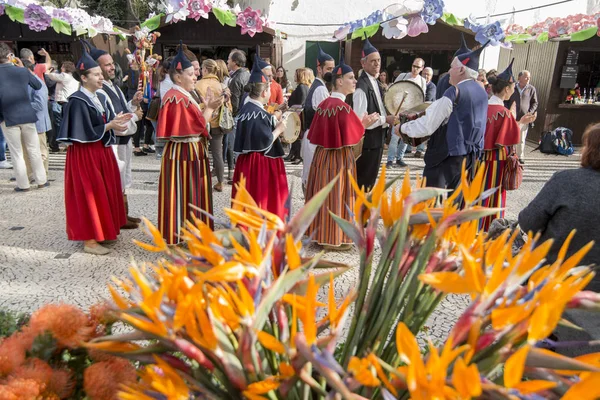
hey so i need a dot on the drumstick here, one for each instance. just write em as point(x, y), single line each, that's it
point(401, 102)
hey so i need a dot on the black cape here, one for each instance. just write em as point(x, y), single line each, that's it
point(83, 123)
point(254, 132)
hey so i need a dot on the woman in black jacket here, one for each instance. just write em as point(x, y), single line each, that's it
point(304, 78)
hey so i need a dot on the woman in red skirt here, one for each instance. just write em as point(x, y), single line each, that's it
point(185, 171)
point(501, 133)
point(335, 129)
point(93, 199)
point(259, 149)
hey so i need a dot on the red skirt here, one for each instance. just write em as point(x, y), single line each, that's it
point(266, 181)
point(93, 196)
point(184, 179)
point(495, 161)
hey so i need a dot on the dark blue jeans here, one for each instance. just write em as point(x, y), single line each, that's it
point(2, 147)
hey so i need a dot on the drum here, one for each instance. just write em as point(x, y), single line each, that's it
point(411, 115)
point(402, 96)
point(292, 128)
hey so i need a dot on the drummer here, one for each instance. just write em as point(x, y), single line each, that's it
point(368, 99)
point(316, 94)
point(464, 106)
point(259, 149)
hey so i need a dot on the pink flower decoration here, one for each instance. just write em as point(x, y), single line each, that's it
point(514, 29)
point(342, 32)
point(199, 9)
point(558, 28)
point(250, 21)
point(416, 26)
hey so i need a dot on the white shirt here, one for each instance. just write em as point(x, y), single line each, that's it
point(319, 95)
point(419, 80)
point(94, 98)
point(116, 90)
point(131, 124)
point(495, 101)
point(165, 86)
point(339, 95)
point(437, 114)
point(66, 85)
point(360, 104)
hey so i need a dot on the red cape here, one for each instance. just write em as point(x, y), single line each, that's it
point(179, 117)
point(501, 128)
point(335, 125)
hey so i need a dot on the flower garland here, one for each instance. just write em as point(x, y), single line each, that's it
point(63, 20)
point(412, 17)
point(249, 20)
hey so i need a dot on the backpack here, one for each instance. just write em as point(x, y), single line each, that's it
point(558, 141)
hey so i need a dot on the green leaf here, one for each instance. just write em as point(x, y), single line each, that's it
point(15, 14)
point(152, 23)
point(225, 17)
point(61, 26)
point(349, 229)
point(542, 37)
point(539, 358)
point(368, 30)
point(452, 19)
point(321, 279)
point(424, 194)
point(303, 218)
point(281, 286)
point(92, 32)
point(80, 32)
point(584, 34)
point(43, 346)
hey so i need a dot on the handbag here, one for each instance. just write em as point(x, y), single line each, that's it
point(153, 109)
point(225, 119)
point(513, 172)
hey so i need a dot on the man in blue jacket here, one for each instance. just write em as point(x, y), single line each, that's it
point(18, 118)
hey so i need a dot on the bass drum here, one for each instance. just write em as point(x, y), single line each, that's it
point(292, 128)
point(410, 92)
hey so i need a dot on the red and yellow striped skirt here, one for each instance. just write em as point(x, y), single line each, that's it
point(494, 161)
point(326, 165)
point(184, 180)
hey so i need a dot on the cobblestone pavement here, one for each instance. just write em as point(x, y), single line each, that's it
point(39, 265)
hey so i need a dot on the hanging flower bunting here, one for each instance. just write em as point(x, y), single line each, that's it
point(407, 7)
point(342, 32)
point(37, 18)
point(63, 15)
point(250, 21)
point(1, 9)
point(432, 10)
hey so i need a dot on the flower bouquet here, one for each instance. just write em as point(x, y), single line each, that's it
point(242, 314)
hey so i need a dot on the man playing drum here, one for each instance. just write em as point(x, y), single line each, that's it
point(464, 107)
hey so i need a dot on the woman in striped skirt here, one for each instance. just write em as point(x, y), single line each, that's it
point(502, 132)
point(335, 129)
point(185, 172)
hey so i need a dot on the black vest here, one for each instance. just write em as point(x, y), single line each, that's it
point(119, 105)
point(308, 111)
point(374, 138)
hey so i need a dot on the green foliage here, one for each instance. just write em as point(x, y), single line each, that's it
point(11, 322)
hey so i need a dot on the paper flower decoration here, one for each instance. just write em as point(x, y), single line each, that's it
point(560, 27)
point(416, 26)
point(37, 18)
point(199, 9)
point(514, 29)
point(1, 9)
point(492, 32)
point(80, 18)
point(102, 24)
point(62, 14)
point(407, 7)
point(432, 10)
point(471, 23)
point(396, 28)
point(374, 18)
point(342, 32)
point(250, 21)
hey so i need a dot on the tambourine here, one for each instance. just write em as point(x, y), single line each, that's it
point(292, 128)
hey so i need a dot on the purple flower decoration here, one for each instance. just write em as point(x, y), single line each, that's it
point(471, 23)
point(432, 10)
point(374, 18)
point(492, 32)
point(1, 9)
point(416, 26)
point(250, 21)
point(63, 15)
point(37, 18)
point(199, 9)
